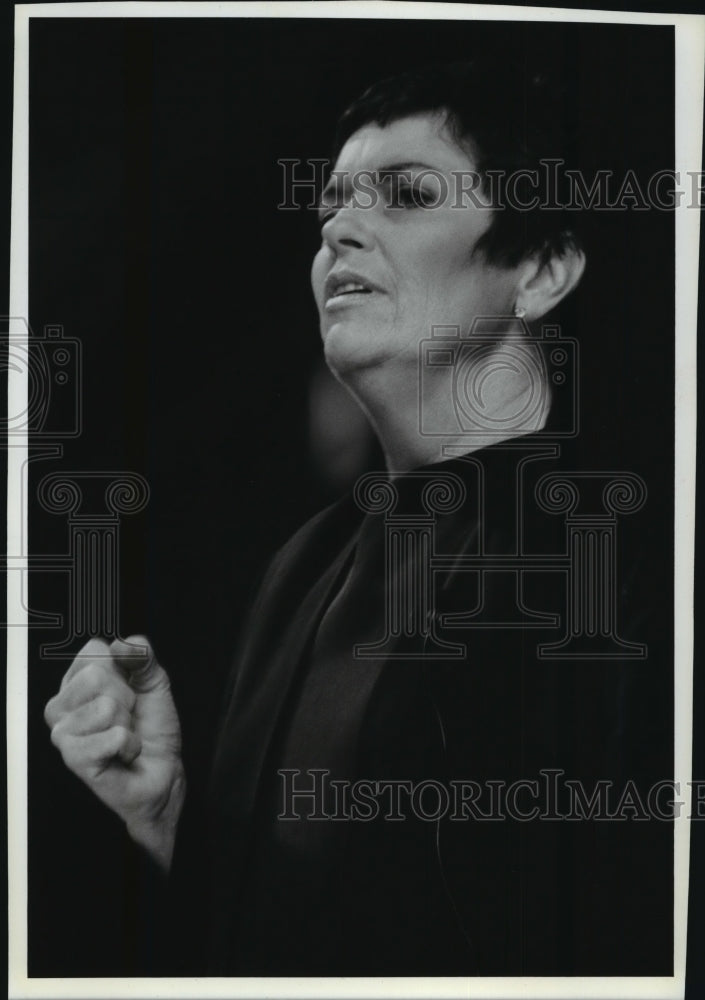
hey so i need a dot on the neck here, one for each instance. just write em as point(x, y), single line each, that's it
point(418, 415)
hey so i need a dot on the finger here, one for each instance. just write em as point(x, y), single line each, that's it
point(88, 756)
point(94, 679)
point(136, 658)
point(94, 649)
point(96, 716)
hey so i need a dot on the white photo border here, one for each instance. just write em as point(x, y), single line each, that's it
point(689, 61)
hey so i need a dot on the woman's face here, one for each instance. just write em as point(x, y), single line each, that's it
point(413, 265)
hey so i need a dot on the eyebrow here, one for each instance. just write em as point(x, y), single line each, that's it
point(391, 168)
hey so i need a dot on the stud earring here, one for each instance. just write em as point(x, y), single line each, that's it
point(519, 312)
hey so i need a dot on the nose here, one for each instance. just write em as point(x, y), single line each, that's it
point(350, 228)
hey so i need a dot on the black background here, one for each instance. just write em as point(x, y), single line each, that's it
point(155, 239)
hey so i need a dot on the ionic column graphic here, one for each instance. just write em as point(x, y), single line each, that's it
point(591, 629)
point(93, 557)
point(410, 617)
point(501, 574)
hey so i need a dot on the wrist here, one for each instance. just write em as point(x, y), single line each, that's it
point(157, 834)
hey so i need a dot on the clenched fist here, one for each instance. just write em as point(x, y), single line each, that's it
point(115, 723)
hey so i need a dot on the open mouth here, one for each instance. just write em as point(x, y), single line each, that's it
point(344, 289)
point(352, 288)
point(349, 291)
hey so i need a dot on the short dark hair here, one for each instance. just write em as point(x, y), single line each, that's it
point(512, 120)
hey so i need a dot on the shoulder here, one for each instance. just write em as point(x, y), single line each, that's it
point(315, 543)
point(305, 558)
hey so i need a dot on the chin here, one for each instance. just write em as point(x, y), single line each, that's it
point(349, 350)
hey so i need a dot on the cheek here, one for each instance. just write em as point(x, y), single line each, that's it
point(438, 280)
point(441, 259)
point(449, 286)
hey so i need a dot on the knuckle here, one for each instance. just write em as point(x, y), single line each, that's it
point(92, 675)
point(116, 742)
point(123, 716)
point(62, 733)
point(57, 735)
point(120, 736)
point(121, 695)
point(69, 751)
point(125, 741)
point(129, 698)
point(73, 760)
point(51, 712)
point(104, 709)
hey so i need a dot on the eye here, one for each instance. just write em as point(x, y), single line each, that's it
point(324, 214)
point(423, 197)
point(402, 192)
point(328, 208)
point(416, 196)
point(406, 195)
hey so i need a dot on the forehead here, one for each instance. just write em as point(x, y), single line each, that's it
point(423, 139)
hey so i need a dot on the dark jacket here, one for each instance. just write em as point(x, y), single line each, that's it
point(337, 673)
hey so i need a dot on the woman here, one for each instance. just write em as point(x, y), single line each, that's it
point(347, 671)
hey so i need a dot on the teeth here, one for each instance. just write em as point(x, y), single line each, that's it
point(350, 286)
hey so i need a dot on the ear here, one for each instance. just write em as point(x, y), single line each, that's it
point(542, 285)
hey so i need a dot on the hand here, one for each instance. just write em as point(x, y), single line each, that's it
point(115, 723)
